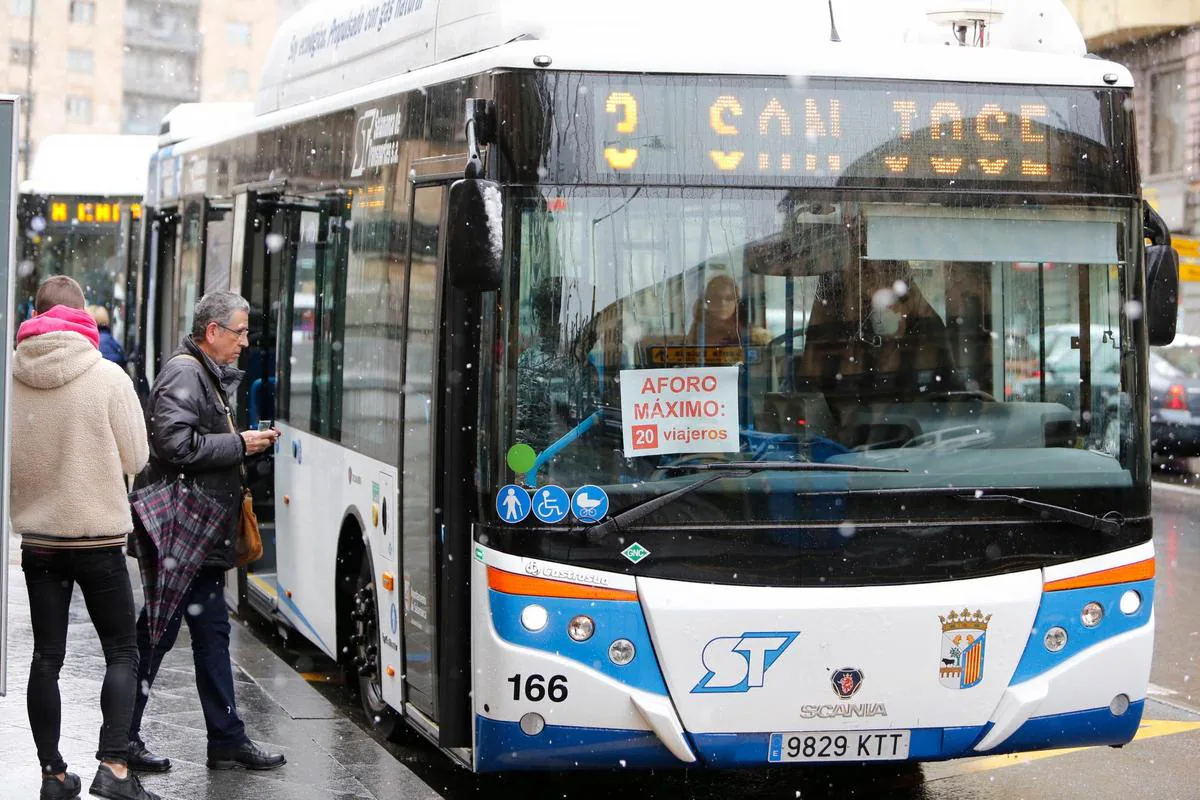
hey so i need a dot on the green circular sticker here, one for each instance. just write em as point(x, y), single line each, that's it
point(521, 458)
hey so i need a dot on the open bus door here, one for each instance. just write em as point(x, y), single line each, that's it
point(442, 342)
point(8, 200)
point(266, 237)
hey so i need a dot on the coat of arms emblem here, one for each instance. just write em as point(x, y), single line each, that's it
point(964, 635)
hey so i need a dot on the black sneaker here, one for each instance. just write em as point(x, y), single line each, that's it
point(248, 755)
point(106, 784)
point(54, 789)
point(143, 760)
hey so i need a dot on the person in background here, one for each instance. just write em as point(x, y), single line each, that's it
point(190, 434)
point(77, 431)
point(110, 348)
point(720, 317)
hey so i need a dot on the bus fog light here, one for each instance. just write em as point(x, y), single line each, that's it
point(1091, 615)
point(534, 618)
point(1056, 639)
point(1131, 601)
point(1119, 705)
point(581, 628)
point(532, 724)
point(621, 652)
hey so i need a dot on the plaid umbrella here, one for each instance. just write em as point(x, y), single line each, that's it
point(182, 522)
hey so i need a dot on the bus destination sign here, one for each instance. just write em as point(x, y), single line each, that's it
point(839, 130)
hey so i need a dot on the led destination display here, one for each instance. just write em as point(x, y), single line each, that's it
point(845, 131)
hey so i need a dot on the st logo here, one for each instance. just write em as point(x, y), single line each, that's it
point(740, 663)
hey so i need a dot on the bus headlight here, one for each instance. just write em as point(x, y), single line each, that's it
point(581, 628)
point(1056, 639)
point(1091, 615)
point(621, 652)
point(534, 618)
point(1131, 601)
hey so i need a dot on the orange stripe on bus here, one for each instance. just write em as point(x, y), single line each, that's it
point(512, 583)
point(1141, 571)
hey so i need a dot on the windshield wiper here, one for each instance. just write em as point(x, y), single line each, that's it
point(1109, 524)
point(648, 507)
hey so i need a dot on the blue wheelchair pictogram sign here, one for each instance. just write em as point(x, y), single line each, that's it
point(589, 503)
point(551, 504)
point(512, 504)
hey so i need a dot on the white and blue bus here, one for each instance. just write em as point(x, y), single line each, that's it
point(667, 389)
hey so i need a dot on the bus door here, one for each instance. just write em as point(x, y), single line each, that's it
point(160, 305)
point(265, 239)
point(177, 248)
point(435, 550)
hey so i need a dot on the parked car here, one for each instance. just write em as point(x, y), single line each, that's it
point(1175, 398)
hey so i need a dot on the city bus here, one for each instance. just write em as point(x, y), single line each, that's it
point(648, 384)
point(78, 214)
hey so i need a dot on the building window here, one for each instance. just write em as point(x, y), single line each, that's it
point(20, 51)
point(1168, 121)
point(237, 80)
point(238, 33)
point(81, 61)
point(79, 109)
point(22, 8)
point(83, 12)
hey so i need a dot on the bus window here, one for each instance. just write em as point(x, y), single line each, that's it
point(374, 314)
point(303, 323)
point(190, 264)
point(329, 320)
point(218, 249)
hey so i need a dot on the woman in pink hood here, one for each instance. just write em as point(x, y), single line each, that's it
point(77, 431)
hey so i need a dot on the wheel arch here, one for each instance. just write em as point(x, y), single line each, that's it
point(351, 548)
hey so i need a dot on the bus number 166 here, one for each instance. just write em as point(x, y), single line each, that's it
point(536, 688)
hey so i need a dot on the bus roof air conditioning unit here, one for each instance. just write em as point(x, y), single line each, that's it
point(970, 22)
point(1035, 26)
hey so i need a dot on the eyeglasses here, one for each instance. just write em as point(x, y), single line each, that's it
point(238, 332)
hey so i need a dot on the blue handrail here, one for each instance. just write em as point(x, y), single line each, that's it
point(557, 447)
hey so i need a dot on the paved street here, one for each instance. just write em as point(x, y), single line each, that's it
point(328, 755)
point(292, 702)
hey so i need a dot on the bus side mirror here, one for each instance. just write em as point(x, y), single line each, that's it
point(1162, 280)
point(475, 236)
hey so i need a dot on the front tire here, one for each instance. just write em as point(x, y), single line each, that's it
point(362, 671)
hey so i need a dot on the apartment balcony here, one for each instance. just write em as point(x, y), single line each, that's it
point(162, 41)
point(159, 89)
point(1112, 23)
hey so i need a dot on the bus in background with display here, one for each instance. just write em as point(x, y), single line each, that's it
point(79, 214)
point(661, 409)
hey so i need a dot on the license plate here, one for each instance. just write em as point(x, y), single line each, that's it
point(839, 746)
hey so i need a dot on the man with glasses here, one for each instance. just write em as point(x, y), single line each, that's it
point(191, 434)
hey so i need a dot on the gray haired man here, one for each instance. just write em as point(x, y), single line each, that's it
point(190, 435)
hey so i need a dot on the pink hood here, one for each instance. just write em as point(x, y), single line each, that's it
point(61, 318)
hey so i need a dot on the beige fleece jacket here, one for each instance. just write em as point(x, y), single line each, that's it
point(77, 431)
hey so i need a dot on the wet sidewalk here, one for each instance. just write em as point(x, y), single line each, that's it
point(328, 755)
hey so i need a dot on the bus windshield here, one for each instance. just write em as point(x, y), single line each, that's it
point(966, 343)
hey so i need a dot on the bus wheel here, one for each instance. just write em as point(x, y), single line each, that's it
point(363, 668)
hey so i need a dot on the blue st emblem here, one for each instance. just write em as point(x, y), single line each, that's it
point(740, 663)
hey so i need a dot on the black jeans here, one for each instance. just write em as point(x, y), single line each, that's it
point(208, 623)
point(50, 576)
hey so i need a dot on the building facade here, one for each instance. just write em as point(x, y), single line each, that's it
point(1160, 44)
point(118, 66)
